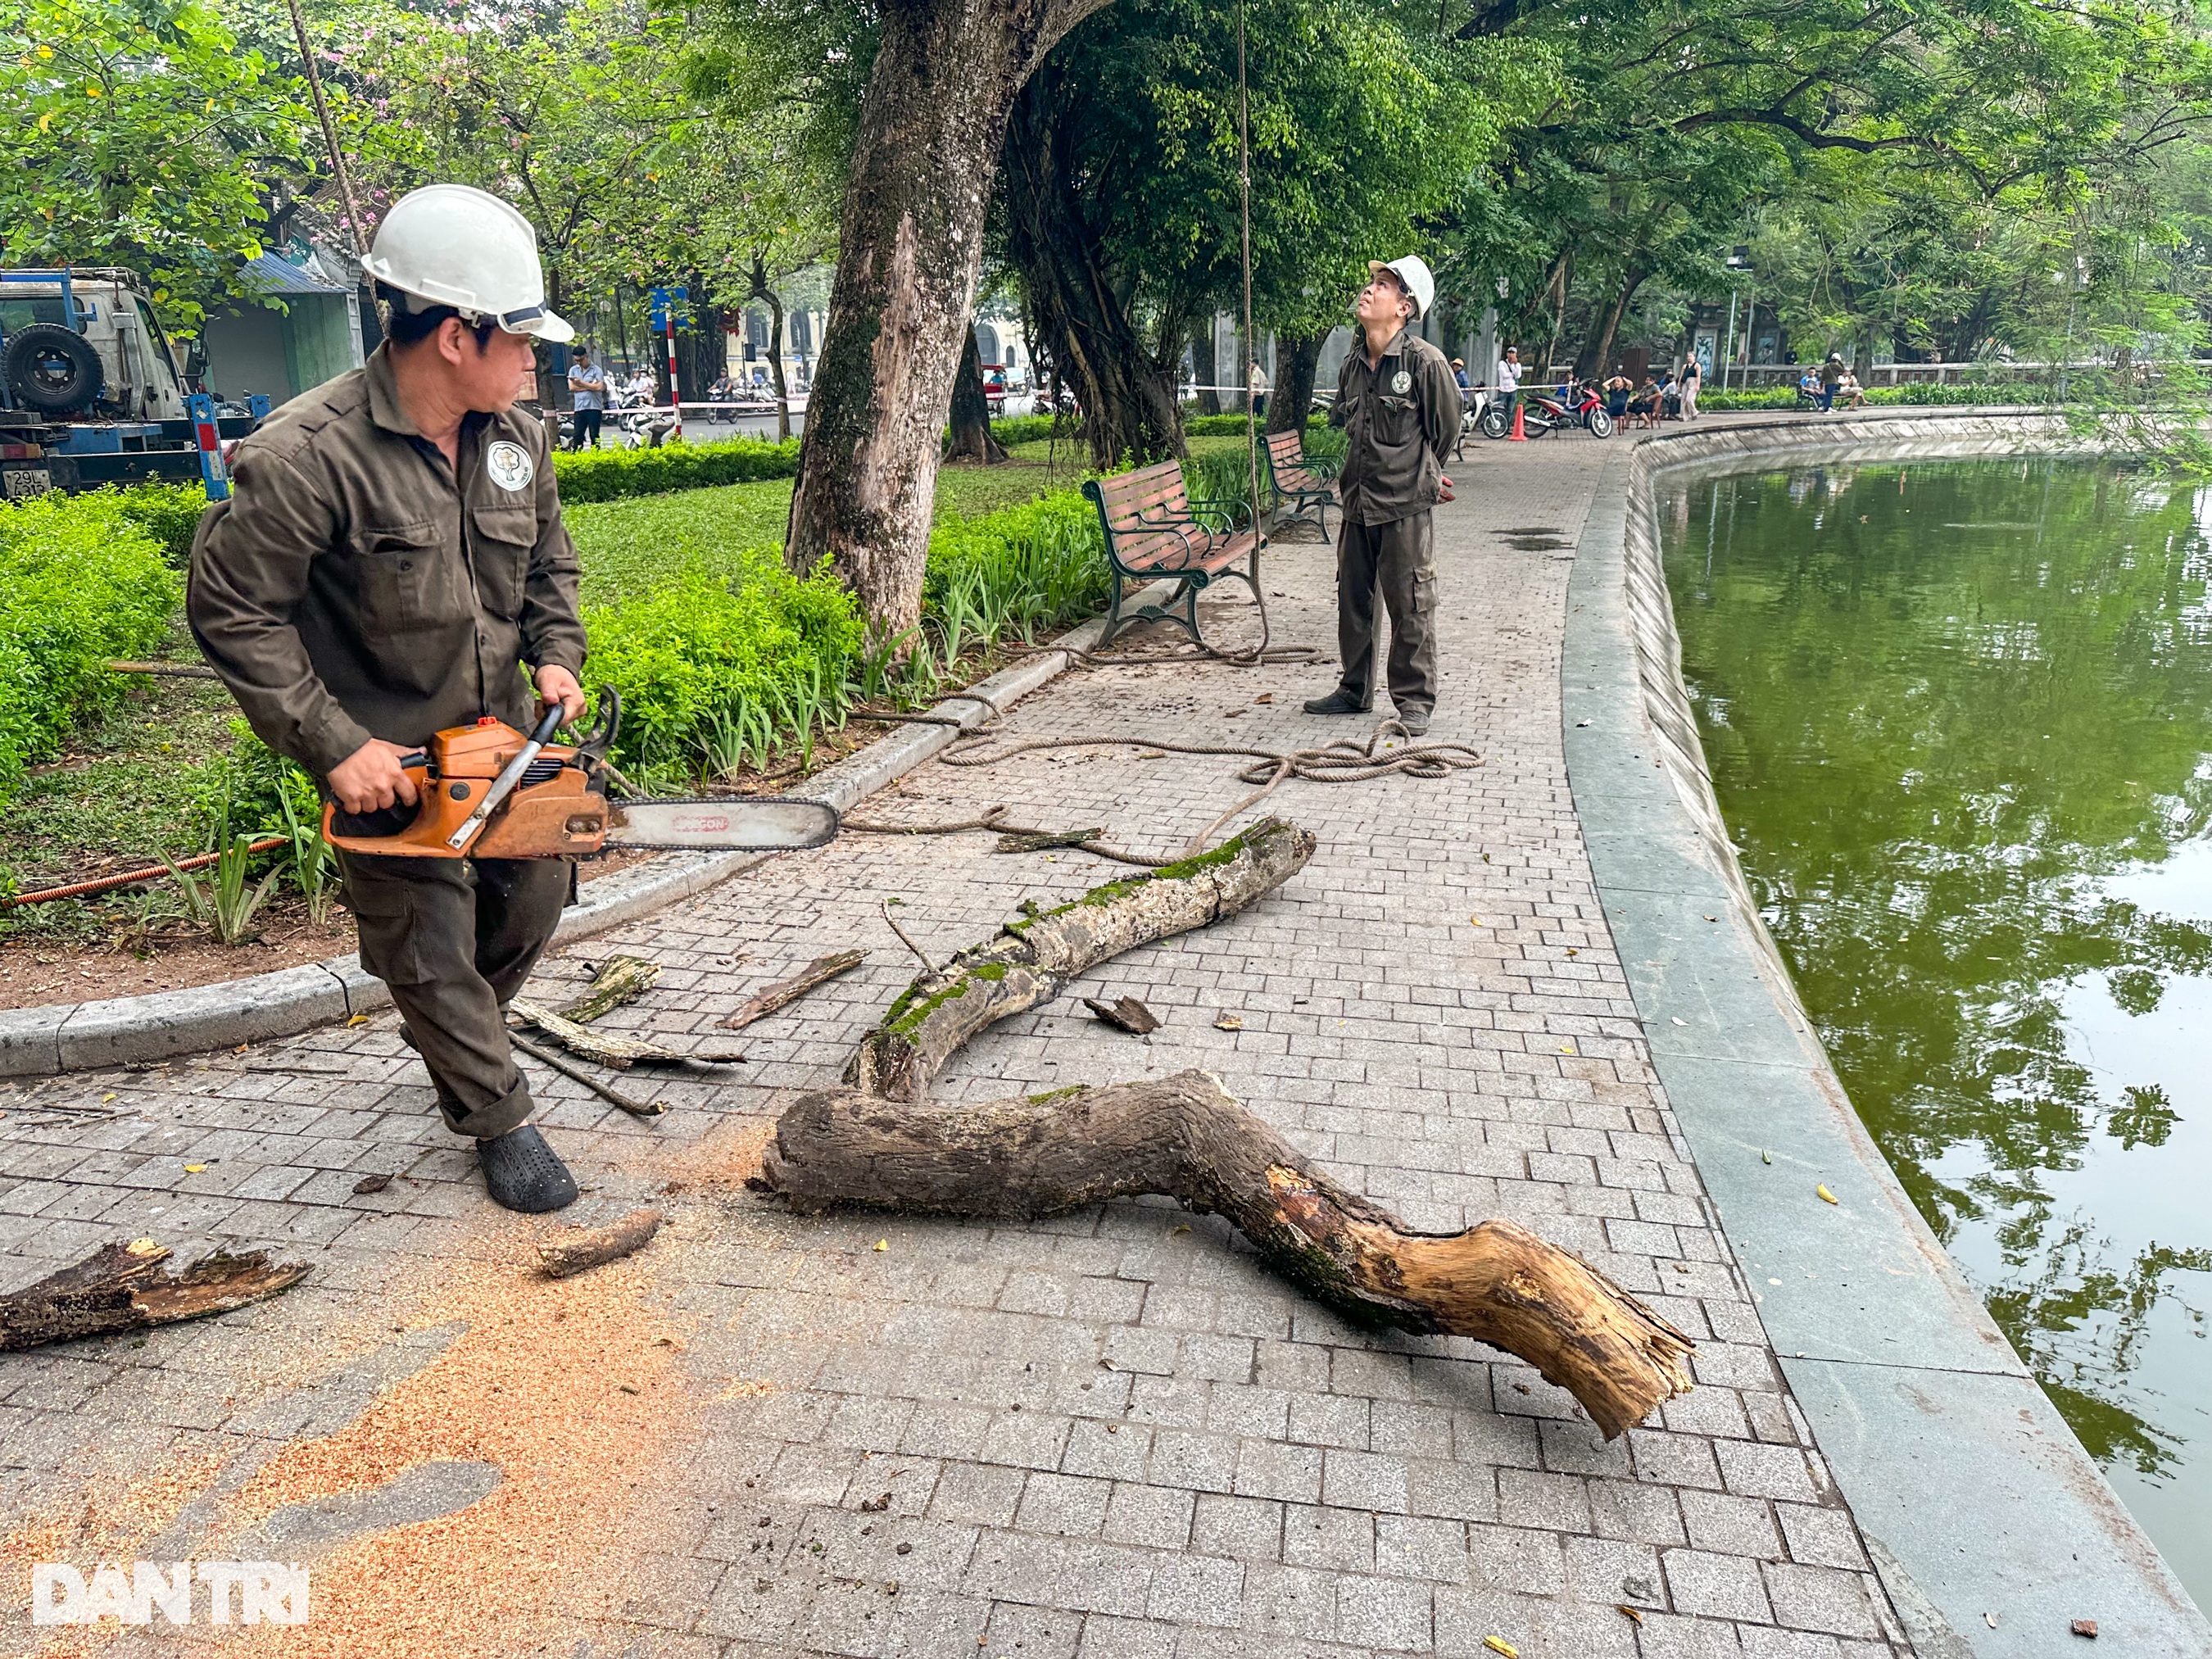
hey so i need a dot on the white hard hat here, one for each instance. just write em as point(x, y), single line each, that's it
point(1414, 271)
point(455, 246)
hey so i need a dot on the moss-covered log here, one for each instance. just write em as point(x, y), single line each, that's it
point(1187, 1137)
point(1032, 959)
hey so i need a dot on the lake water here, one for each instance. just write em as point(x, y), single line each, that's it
point(1960, 721)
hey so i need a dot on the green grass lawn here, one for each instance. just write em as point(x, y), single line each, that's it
point(630, 547)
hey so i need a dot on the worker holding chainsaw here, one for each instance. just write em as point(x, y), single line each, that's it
point(1400, 405)
point(390, 557)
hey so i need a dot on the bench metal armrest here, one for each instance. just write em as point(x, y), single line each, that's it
point(1230, 510)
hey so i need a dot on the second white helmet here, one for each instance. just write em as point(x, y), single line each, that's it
point(454, 245)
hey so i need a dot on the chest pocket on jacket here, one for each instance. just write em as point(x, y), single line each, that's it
point(403, 579)
point(500, 552)
point(1397, 420)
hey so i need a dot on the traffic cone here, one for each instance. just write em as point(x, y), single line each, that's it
point(1517, 435)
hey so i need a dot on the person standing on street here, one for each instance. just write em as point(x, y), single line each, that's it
point(1398, 403)
point(1832, 376)
point(1693, 376)
point(1509, 381)
point(391, 556)
point(587, 396)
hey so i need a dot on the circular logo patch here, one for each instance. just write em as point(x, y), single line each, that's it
point(509, 464)
point(1401, 381)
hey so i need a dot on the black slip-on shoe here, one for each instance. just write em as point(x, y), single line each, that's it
point(1338, 702)
point(524, 1174)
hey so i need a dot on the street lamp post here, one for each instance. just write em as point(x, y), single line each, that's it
point(1738, 259)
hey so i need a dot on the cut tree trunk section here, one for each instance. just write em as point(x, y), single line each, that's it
point(123, 1287)
point(1187, 1137)
point(1032, 959)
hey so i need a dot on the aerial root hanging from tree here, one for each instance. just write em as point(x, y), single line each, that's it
point(880, 1143)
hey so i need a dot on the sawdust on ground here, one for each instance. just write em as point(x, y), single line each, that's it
point(572, 1387)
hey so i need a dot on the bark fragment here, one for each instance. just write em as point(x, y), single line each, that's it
point(1187, 1137)
point(619, 979)
point(569, 1250)
point(1125, 1014)
point(123, 1287)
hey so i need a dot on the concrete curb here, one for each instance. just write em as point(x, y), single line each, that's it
point(1974, 1496)
point(81, 1036)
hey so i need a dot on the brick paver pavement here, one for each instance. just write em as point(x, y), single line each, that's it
point(1108, 1434)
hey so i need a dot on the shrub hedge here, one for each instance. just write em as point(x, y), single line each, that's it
point(608, 474)
point(81, 580)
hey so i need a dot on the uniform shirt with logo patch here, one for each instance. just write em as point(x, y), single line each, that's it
point(1401, 417)
point(356, 586)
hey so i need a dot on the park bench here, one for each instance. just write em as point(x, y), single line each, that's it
point(1301, 481)
point(1154, 530)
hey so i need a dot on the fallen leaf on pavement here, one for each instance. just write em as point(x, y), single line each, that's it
point(358, 1019)
point(1500, 1645)
point(1229, 1023)
point(1627, 1612)
point(2086, 1627)
point(1826, 1197)
point(375, 1183)
point(194, 1169)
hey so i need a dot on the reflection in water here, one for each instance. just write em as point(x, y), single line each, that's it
point(1960, 721)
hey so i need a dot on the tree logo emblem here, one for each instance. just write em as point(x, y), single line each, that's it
point(509, 464)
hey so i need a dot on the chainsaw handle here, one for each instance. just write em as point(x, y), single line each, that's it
point(382, 821)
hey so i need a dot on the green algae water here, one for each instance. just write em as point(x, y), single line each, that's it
point(1958, 716)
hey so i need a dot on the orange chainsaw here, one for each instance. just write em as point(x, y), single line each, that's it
point(488, 792)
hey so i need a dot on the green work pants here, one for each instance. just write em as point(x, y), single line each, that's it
point(1398, 558)
point(454, 939)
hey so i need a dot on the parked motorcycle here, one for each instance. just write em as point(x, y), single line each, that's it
point(1541, 412)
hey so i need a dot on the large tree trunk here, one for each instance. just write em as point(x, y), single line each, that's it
point(1202, 365)
point(971, 412)
point(1187, 1137)
point(1598, 354)
point(932, 124)
point(1130, 410)
point(1297, 360)
point(768, 297)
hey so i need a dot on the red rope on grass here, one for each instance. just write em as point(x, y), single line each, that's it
point(80, 889)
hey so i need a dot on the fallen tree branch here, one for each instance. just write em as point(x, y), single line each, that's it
point(1187, 1137)
point(123, 1287)
point(569, 1250)
point(615, 1050)
point(819, 971)
point(612, 1096)
point(1030, 960)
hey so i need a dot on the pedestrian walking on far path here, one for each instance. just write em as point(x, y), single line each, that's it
point(1397, 400)
point(1692, 378)
point(587, 397)
point(390, 556)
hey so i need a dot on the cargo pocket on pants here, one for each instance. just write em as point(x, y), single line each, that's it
point(384, 923)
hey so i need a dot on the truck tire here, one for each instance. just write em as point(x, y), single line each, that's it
point(53, 369)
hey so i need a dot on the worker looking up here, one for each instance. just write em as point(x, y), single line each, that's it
point(390, 555)
point(1397, 399)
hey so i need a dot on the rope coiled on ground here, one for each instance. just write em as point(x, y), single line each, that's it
point(1345, 761)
